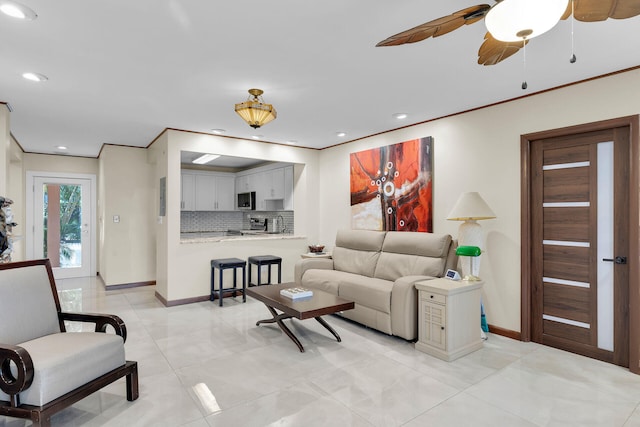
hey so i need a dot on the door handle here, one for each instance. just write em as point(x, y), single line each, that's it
point(617, 260)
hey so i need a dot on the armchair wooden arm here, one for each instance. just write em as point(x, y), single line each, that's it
point(10, 384)
point(101, 321)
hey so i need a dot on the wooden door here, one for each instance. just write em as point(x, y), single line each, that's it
point(579, 218)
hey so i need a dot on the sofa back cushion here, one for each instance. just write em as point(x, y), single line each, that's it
point(27, 308)
point(413, 254)
point(357, 251)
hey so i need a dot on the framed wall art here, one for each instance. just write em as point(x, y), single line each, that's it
point(391, 187)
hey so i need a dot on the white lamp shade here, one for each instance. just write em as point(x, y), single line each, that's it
point(515, 20)
point(470, 206)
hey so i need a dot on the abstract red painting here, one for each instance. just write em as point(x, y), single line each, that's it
point(391, 187)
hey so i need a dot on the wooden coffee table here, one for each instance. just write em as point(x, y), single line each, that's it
point(319, 304)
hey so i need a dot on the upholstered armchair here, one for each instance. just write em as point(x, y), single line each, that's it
point(43, 368)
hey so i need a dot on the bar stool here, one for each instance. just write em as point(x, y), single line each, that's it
point(268, 260)
point(224, 264)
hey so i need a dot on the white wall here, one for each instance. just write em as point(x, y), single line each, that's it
point(157, 158)
point(183, 270)
point(126, 189)
point(480, 151)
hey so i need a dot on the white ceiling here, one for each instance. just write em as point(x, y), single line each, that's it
point(121, 71)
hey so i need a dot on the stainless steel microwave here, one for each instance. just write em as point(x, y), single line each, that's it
point(247, 201)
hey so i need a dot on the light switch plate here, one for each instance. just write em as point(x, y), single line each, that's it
point(116, 218)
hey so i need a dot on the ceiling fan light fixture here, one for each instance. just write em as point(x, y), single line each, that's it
point(517, 20)
point(255, 111)
point(35, 77)
point(17, 10)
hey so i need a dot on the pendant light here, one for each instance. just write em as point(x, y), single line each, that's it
point(255, 111)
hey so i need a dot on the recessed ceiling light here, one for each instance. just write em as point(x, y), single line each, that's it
point(61, 147)
point(341, 134)
point(17, 10)
point(256, 136)
point(218, 131)
point(205, 158)
point(35, 77)
point(400, 116)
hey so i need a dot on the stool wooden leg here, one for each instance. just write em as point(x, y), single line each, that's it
point(220, 287)
point(235, 281)
point(269, 275)
point(259, 275)
point(244, 285)
point(213, 283)
point(280, 272)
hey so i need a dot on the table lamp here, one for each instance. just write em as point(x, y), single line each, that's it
point(473, 252)
point(470, 208)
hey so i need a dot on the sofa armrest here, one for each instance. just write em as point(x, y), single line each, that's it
point(101, 321)
point(404, 307)
point(305, 264)
point(16, 378)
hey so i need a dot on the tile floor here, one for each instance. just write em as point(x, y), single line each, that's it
point(202, 365)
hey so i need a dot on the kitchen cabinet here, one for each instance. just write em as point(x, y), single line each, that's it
point(225, 193)
point(202, 191)
point(274, 180)
point(187, 192)
point(205, 193)
point(244, 184)
point(449, 317)
point(288, 188)
point(270, 184)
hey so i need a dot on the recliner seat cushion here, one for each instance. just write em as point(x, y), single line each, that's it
point(325, 280)
point(65, 361)
point(367, 291)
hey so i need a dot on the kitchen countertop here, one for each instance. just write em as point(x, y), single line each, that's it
point(222, 236)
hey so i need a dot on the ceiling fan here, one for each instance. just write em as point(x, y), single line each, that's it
point(498, 46)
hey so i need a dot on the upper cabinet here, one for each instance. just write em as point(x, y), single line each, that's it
point(204, 191)
point(225, 194)
point(288, 188)
point(188, 192)
point(273, 187)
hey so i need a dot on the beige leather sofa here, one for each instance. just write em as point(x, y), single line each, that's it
point(377, 270)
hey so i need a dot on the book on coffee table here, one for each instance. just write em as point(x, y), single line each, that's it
point(296, 293)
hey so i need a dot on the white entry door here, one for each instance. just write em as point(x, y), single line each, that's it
point(62, 223)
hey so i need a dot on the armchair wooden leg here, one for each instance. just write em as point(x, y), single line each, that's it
point(38, 419)
point(132, 383)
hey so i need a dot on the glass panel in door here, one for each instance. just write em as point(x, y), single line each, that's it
point(61, 228)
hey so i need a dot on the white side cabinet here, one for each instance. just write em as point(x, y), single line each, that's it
point(449, 317)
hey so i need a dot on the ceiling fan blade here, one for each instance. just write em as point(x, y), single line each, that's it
point(438, 27)
point(493, 51)
point(567, 12)
point(625, 9)
point(600, 10)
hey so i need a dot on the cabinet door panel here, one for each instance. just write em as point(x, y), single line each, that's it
point(225, 193)
point(288, 188)
point(277, 183)
point(434, 319)
point(187, 192)
point(205, 192)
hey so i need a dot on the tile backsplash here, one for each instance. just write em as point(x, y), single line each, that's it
point(192, 221)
